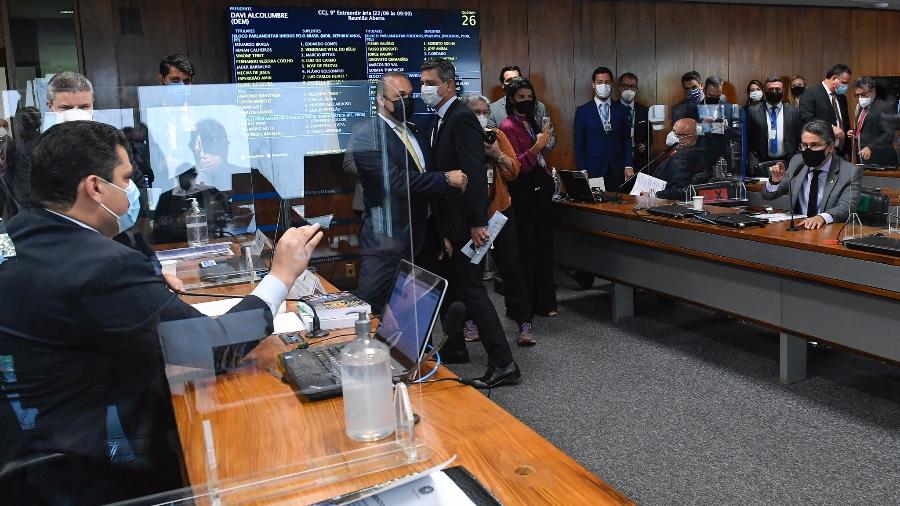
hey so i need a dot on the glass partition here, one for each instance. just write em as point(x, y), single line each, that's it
point(224, 172)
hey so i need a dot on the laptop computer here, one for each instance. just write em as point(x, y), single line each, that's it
point(888, 245)
point(407, 322)
point(578, 188)
point(674, 211)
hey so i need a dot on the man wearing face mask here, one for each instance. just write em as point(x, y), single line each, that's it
point(111, 417)
point(773, 129)
point(825, 187)
point(875, 126)
point(692, 84)
point(498, 107)
point(602, 135)
point(457, 140)
point(828, 103)
point(678, 170)
point(636, 117)
point(388, 220)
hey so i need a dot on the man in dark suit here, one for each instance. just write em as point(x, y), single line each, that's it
point(456, 138)
point(396, 187)
point(681, 166)
point(828, 103)
point(773, 129)
point(81, 362)
point(602, 137)
point(825, 187)
point(636, 115)
point(875, 126)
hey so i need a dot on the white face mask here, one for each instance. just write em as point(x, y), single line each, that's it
point(756, 95)
point(671, 139)
point(74, 115)
point(603, 90)
point(865, 102)
point(430, 95)
point(628, 96)
point(483, 119)
point(3, 132)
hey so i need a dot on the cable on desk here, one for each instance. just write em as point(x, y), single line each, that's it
point(432, 372)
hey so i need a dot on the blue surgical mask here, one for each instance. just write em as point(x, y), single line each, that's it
point(842, 88)
point(128, 219)
point(694, 95)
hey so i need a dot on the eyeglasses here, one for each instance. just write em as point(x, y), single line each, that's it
point(815, 146)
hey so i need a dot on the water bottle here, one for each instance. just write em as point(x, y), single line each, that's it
point(367, 386)
point(556, 185)
point(197, 227)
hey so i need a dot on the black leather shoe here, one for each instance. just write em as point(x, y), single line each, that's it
point(496, 376)
point(455, 356)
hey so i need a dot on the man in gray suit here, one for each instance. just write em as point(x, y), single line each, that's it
point(824, 187)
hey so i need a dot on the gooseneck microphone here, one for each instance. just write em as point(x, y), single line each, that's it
point(668, 150)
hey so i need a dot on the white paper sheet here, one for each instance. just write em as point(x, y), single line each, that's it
point(775, 217)
point(495, 225)
point(220, 307)
point(285, 323)
point(645, 183)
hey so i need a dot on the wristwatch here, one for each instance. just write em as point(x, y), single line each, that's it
point(447, 177)
point(501, 157)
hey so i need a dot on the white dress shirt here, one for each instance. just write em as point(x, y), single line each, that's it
point(412, 138)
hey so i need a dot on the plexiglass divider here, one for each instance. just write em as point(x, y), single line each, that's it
point(224, 171)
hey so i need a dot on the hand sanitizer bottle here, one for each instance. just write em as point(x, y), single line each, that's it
point(367, 386)
point(197, 227)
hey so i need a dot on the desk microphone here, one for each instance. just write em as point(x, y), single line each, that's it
point(793, 227)
point(316, 330)
point(668, 150)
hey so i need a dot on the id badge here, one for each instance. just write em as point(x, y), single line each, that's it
point(773, 134)
point(718, 127)
point(607, 127)
point(490, 175)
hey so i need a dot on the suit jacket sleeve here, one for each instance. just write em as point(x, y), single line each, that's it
point(849, 192)
point(469, 147)
point(131, 300)
point(579, 138)
point(679, 179)
point(807, 107)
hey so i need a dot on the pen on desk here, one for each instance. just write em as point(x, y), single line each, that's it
point(275, 373)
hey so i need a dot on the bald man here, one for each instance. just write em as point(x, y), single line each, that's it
point(679, 168)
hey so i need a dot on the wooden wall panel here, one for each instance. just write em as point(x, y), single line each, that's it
point(635, 43)
point(672, 58)
point(557, 44)
point(745, 55)
point(551, 60)
point(807, 44)
point(594, 27)
point(504, 41)
point(777, 45)
point(863, 41)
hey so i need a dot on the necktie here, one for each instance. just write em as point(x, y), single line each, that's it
point(812, 207)
point(629, 120)
point(434, 133)
point(604, 113)
point(859, 122)
point(773, 125)
point(404, 134)
point(837, 110)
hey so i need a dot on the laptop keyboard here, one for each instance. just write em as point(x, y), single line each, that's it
point(330, 358)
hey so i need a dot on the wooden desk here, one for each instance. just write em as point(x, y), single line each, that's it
point(795, 282)
point(258, 423)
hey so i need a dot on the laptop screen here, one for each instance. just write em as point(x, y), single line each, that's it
point(410, 312)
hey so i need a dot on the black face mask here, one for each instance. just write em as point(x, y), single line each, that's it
point(797, 90)
point(403, 109)
point(773, 97)
point(712, 100)
point(525, 107)
point(814, 159)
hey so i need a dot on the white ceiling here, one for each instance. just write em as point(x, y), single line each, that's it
point(849, 4)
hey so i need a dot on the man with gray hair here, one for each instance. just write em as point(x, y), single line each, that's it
point(825, 187)
point(874, 128)
point(70, 96)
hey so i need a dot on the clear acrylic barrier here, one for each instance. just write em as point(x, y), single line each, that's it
point(260, 158)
